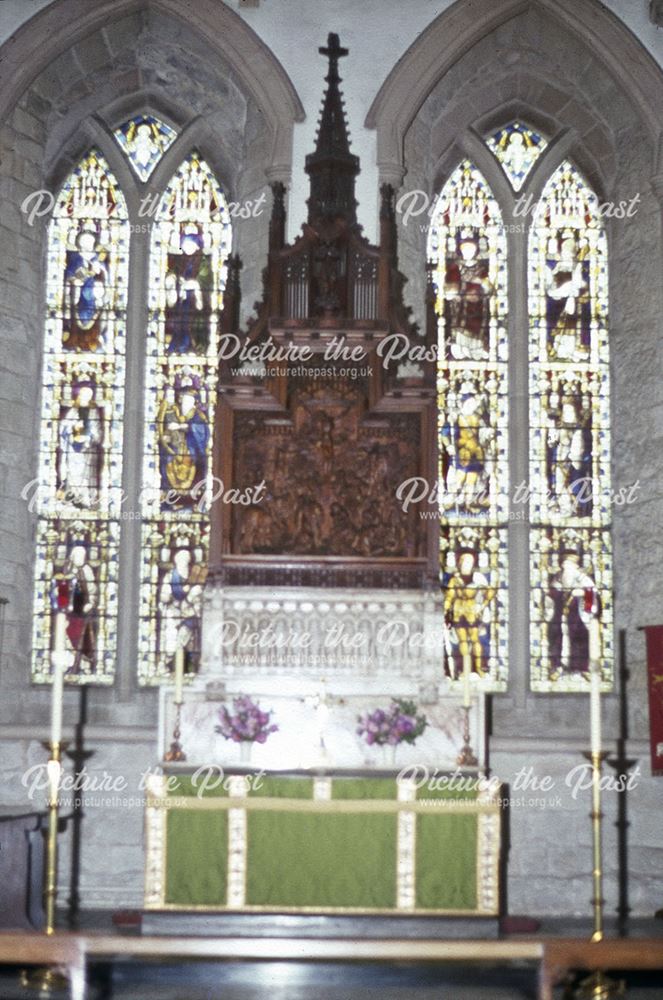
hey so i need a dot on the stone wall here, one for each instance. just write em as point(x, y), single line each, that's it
point(109, 798)
point(23, 138)
point(550, 853)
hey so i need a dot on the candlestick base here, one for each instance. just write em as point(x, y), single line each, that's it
point(599, 987)
point(45, 981)
point(176, 753)
point(466, 757)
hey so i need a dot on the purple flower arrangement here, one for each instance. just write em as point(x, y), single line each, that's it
point(400, 723)
point(246, 723)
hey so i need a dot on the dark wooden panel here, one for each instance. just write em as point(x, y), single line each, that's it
point(22, 870)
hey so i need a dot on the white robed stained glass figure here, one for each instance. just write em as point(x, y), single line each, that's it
point(144, 139)
point(517, 148)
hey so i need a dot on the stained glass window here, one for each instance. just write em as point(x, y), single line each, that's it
point(190, 243)
point(517, 148)
point(77, 494)
point(569, 437)
point(144, 139)
point(467, 254)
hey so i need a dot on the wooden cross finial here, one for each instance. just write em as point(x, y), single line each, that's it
point(333, 48)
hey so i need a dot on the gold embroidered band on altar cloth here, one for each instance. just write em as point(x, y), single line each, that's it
point(237, 844)
point(405, 848)
point(322, 805)
point(416, 862)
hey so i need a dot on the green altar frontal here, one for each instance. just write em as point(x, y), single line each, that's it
point(292, 844)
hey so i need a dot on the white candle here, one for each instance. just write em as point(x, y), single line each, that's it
point(179, 674)
point(59, 642)
point(58, 661)
point(467, 665)
point(594, 641)
point(595, 708)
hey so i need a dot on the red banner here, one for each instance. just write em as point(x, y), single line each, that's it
point(654, 634)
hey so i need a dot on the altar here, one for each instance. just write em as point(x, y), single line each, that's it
point(320, 821)
point(325, 843)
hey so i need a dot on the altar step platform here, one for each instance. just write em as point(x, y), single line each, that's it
point(320, 927)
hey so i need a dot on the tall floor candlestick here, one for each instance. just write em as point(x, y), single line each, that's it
point(48, 980)
point(597, 986)
point(54, 771)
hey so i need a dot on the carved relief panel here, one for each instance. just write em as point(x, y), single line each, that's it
point(331, 471)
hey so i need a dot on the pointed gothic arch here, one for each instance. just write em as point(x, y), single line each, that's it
point(55, 30)
point(454, 33)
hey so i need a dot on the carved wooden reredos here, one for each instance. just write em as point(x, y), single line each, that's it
point(332, 435)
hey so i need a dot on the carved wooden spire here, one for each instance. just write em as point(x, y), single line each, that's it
point(332, 168)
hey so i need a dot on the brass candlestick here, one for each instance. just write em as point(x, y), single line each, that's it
point(48, 980)
point(597, 986)
point(50, 892)
point(176, 753)
point(467, 757)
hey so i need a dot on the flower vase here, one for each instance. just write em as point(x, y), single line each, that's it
point(389, 754)
point(245, 748)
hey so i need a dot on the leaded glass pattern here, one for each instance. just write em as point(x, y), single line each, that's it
point(191, 241)
point(144, 139)
point(570, 501)
point(517, 148)
point(78, 491)
point(467, 256)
